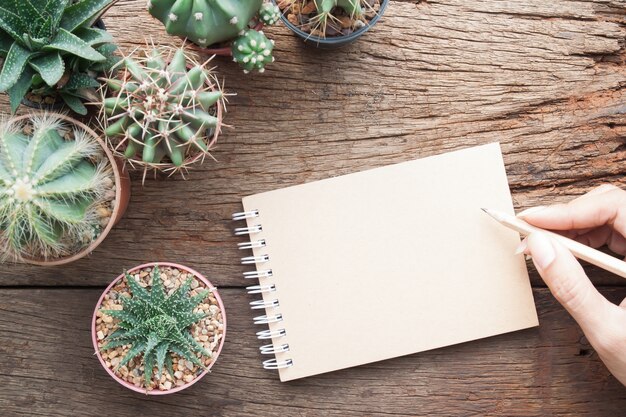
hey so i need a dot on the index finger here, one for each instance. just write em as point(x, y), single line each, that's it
point(604, 205)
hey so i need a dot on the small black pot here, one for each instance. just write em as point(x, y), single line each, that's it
point(59, 104)
point(333, 42)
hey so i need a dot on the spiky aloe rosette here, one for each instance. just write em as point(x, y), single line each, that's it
point(210, 22)
point(50, 47)
point(52, 181)
point(155, 325)
point(162, 115)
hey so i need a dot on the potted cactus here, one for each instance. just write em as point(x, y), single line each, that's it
point(212, 23)
point(158, 328)
point(330, 24)
point(61, 191)
point(163, 110)
point(52, 53)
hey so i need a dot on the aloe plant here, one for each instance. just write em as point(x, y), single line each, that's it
point(49, 188)
point(159, 113)
point(46, 42)
point(157, 325)
point(208, 22)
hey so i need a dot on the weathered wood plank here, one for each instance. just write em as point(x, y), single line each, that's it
point(48, 368)
point(547, 79)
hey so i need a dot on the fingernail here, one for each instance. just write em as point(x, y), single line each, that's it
point(541, 249)
point(521, 247)
point(531, 210)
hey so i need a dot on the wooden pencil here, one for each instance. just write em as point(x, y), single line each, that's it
point(589, 254)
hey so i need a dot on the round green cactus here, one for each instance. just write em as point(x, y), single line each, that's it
point(208, 22)
point(50, 188)
point(269, 13)
point(162, 115)
point(253, 50)
point(205, 22)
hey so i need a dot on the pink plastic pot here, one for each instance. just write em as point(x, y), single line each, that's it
point(128, 385)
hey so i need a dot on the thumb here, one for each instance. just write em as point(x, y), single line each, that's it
point(568, 282)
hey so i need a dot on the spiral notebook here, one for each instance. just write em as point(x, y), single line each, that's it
point(384, 263)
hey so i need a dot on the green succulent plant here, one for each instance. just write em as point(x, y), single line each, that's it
point(325, 7)
point(269, 13)
point(45, 42)
point(207, 22)
point(156, 325)
point(161, 114)
point(253, 50)
point(49, 188)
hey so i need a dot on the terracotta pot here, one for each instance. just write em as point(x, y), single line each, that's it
point(133, 387)
point(122, 196)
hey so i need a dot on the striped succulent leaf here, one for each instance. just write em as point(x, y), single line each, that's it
point(40, 37)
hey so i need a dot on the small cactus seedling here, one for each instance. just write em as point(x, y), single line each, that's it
point(157, 325)
point(253, 50)
point(209, 22)
point(44, 43)
point(162, 115)
point(269, 13)
point(50, 188)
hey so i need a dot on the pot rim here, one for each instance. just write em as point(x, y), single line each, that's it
point(118, 210)
point(133, 387)
point(334, 40)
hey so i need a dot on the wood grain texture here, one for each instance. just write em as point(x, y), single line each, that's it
point(546, 79)
point(48, 369)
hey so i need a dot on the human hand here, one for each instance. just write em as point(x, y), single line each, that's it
point(597, 218)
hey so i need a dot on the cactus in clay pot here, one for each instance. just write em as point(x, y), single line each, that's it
point(50, 188)
point(160, 114)
point(47, 44)
point(209, 22)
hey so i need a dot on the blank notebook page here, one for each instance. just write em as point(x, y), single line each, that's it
point(391, 261)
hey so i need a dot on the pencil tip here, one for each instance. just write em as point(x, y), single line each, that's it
point(484, 209)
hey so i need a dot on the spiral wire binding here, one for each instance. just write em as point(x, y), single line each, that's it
point(262, 289)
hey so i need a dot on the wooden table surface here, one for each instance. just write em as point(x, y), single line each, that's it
point(546, 79)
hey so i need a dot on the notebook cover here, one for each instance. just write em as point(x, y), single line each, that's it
point(392, 261)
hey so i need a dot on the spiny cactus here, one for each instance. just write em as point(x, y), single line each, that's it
point(325, 7)
point(49, 188)
point(44, 41)
point(269, 13)
point(207, 22)
point(156, 113)
point(156, 325)
point(253, 50)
